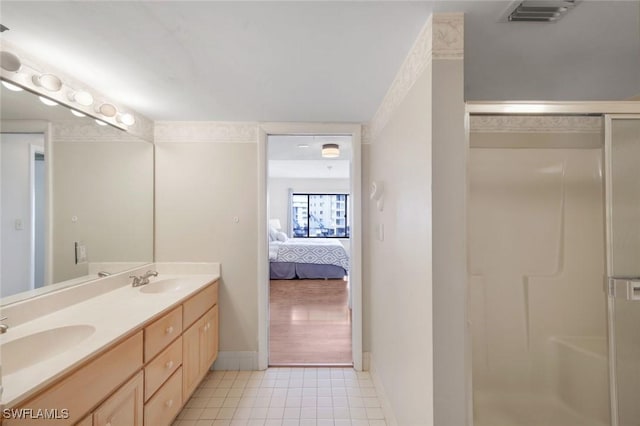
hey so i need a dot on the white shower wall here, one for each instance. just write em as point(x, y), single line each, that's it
point(536, 260)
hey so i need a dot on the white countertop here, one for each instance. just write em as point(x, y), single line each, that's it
point(113, 315)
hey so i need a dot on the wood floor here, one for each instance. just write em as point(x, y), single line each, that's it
point(310, 322)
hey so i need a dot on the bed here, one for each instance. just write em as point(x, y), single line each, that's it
point(316, 258)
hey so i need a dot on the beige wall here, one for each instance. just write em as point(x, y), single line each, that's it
point(108, 187)
point(201, 188)
point(415, 279)
point(449, 154)
point(400, 267)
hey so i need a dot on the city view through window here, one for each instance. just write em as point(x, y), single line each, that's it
point(320, 215)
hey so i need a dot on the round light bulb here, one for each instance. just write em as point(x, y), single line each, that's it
point(12, 86)
point(126, 119)
point(100, 122)
point(47, 101)
point(48, 82)
point(77, 113)
point(10, 62)
point(108, 110)
point(81, 97)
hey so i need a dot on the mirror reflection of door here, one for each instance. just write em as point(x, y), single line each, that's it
point(38, 215)
point(22, 192)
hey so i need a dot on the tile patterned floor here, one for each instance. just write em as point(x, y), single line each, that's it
point(284, 397)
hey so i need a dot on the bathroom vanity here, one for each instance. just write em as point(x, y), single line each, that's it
point(129, 356)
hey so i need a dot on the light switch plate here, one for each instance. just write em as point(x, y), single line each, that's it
point(81, 252)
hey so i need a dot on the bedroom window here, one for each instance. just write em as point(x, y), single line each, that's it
point(319, 215)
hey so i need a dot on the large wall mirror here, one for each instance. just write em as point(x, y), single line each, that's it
point(76, 198)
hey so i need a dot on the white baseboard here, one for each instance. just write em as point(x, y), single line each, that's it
point(236, 361)
point(382, 396)
point(366, 361)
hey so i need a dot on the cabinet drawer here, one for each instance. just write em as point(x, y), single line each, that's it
point(88, 385)
point(162, 332)
point(166, 403)
point(162, 366)
point(123, 407)
point(195, 307)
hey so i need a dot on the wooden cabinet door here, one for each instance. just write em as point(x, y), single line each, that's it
point(210, 346)
point(87, 421)
point(124, 407)
point(191, 359)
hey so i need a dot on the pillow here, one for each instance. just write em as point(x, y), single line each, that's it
point(281, 236)
point(273, 234)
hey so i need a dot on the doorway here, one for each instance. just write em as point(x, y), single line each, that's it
point(309, 242)
point(23, 214)
point(37, 188)
point(295, 214)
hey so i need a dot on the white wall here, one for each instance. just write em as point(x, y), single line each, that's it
point(16, 158)
point(278, 199)
point(204, 181)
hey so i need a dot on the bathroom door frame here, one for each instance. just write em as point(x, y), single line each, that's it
point(530, 108)
point(355, 269)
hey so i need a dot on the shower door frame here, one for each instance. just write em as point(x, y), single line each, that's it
point(611, 299)
point(606, 109)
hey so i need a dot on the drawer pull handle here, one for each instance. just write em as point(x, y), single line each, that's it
point(169, 403)
point(169, 330)
point(169, 364)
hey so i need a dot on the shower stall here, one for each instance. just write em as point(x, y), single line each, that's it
point(550, 205)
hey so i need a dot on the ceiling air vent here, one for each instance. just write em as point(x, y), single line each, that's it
point(540, 11)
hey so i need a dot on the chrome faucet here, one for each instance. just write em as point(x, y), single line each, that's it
point(3, 327)
point(143, 279)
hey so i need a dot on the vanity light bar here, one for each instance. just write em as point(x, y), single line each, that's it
point(16, 75)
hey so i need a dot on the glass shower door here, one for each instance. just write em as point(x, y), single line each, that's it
point(622, 159)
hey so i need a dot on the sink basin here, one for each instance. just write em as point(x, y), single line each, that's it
point(32, 349)
point(168, 285)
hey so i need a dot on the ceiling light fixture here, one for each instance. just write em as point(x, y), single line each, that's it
point(52, 90)
point(10, 62)
point(48, 82)
point(12, 86)
point(126, 119)
point(81, 97)
point(47, 101)
point(330, 150)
